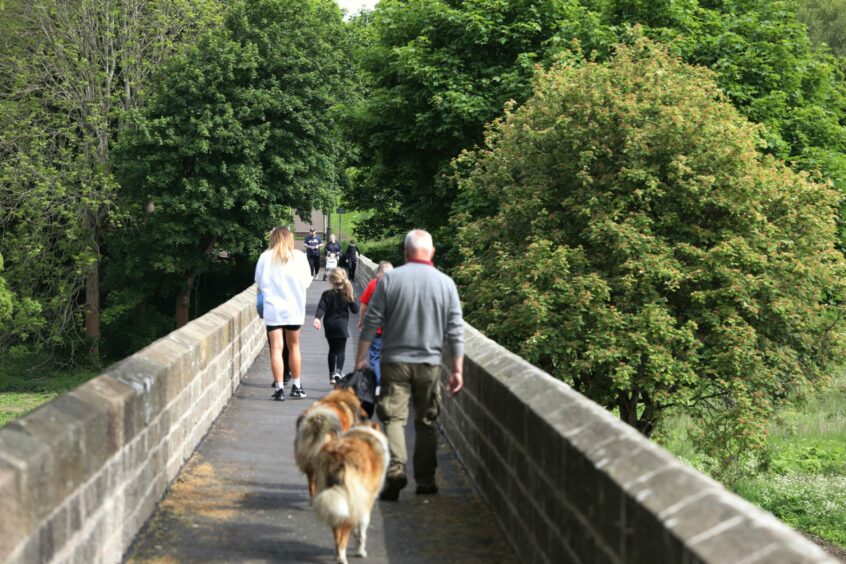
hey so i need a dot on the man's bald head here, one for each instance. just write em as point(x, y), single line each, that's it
point(419, 245)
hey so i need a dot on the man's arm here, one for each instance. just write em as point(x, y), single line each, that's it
point(361, 313)
point(361, 354)
point(456, 378)
point(455, 338)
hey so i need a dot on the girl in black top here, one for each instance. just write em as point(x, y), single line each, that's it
point(335, 307)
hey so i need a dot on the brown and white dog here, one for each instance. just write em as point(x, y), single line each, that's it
point(350, 474)
point(324, 420)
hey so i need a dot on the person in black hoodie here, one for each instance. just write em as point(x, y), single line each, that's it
point(335, 307)
point(351, 257)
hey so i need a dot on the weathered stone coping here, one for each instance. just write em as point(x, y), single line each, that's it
point(81, 474)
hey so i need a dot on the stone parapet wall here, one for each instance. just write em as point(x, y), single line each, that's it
point(80, 475)
point(569, 482)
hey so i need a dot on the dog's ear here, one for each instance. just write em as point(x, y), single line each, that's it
point(374, 425)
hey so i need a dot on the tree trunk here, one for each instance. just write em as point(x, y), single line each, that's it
point(183, 307)
point(92, 308)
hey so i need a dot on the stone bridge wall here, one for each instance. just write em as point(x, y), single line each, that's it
point(81, 474)
point(568, 482)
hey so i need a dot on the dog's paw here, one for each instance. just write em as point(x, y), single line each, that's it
point(361, 553)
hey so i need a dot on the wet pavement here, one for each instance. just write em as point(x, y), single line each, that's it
point(241, 498)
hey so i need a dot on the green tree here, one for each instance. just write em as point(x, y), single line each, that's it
point(764, 62)
point(240, 131)
point(69, 71)
point(826, 21)
point(6, 297)
point(438, 71)
point(622, 231)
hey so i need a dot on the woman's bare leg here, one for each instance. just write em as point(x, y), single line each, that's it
point(276, 365)
point(292, 339)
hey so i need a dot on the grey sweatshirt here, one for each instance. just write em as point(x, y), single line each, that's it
point(418, 308)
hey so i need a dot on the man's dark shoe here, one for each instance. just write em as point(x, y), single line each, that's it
point(392, 488)
point(426, 489)
point(297, 392)
point(278, 395)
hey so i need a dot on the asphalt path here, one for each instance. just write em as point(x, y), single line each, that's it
point(241, 498)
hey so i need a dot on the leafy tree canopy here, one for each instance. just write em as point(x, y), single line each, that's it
point(622, 231)
point(764, 62)
point(240, 131)
point(826, 21)
point(439, 71)
point(68, 73)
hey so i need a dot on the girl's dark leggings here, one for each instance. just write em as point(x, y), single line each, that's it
point(337, 346)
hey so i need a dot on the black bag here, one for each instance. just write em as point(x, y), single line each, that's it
point(363, 383)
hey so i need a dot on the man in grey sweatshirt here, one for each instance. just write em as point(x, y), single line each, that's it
point(418, 308)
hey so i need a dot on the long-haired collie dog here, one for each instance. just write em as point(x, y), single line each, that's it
point(321, 422)
point(350, 472)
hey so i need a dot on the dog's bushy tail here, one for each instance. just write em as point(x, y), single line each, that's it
point(344, 502)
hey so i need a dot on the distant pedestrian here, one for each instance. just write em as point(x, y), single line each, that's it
point(333, 255)
point(376, 344)
point(351, 256)
point(313, 244)
point(418, 308)
point(335, 307)
point(282, 275)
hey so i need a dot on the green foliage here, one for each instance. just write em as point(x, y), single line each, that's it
point(239, 131)
point(764, 62)
point(622, 231)
point(800, 474)
point(68, 73)
point(28, 380)
point(438, 71)
point(816, 505)
point(6, 297)
point(826, 21)
point(390, 249)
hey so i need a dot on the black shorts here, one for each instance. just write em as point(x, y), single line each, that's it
point(287, 327)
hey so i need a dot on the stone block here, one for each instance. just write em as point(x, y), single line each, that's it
point(35, 465)
point(648, 538)
point(631, 460)
point(15, 523)
point(702, 515)
point(113, 396)
point(175, 362)
point(147, 380)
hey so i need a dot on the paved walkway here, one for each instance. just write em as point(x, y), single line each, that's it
point(241, 498)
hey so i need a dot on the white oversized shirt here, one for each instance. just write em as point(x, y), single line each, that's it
point(284, 288)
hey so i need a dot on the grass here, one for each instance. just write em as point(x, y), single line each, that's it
point(801, 476)
point(348, 223)
point(28, 380)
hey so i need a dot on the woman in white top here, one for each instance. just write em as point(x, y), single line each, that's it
point(283, 275)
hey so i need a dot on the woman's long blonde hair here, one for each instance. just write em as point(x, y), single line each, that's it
point(338, 279)
point(282, 244)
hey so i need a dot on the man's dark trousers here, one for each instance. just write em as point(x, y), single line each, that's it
point(314, 262)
